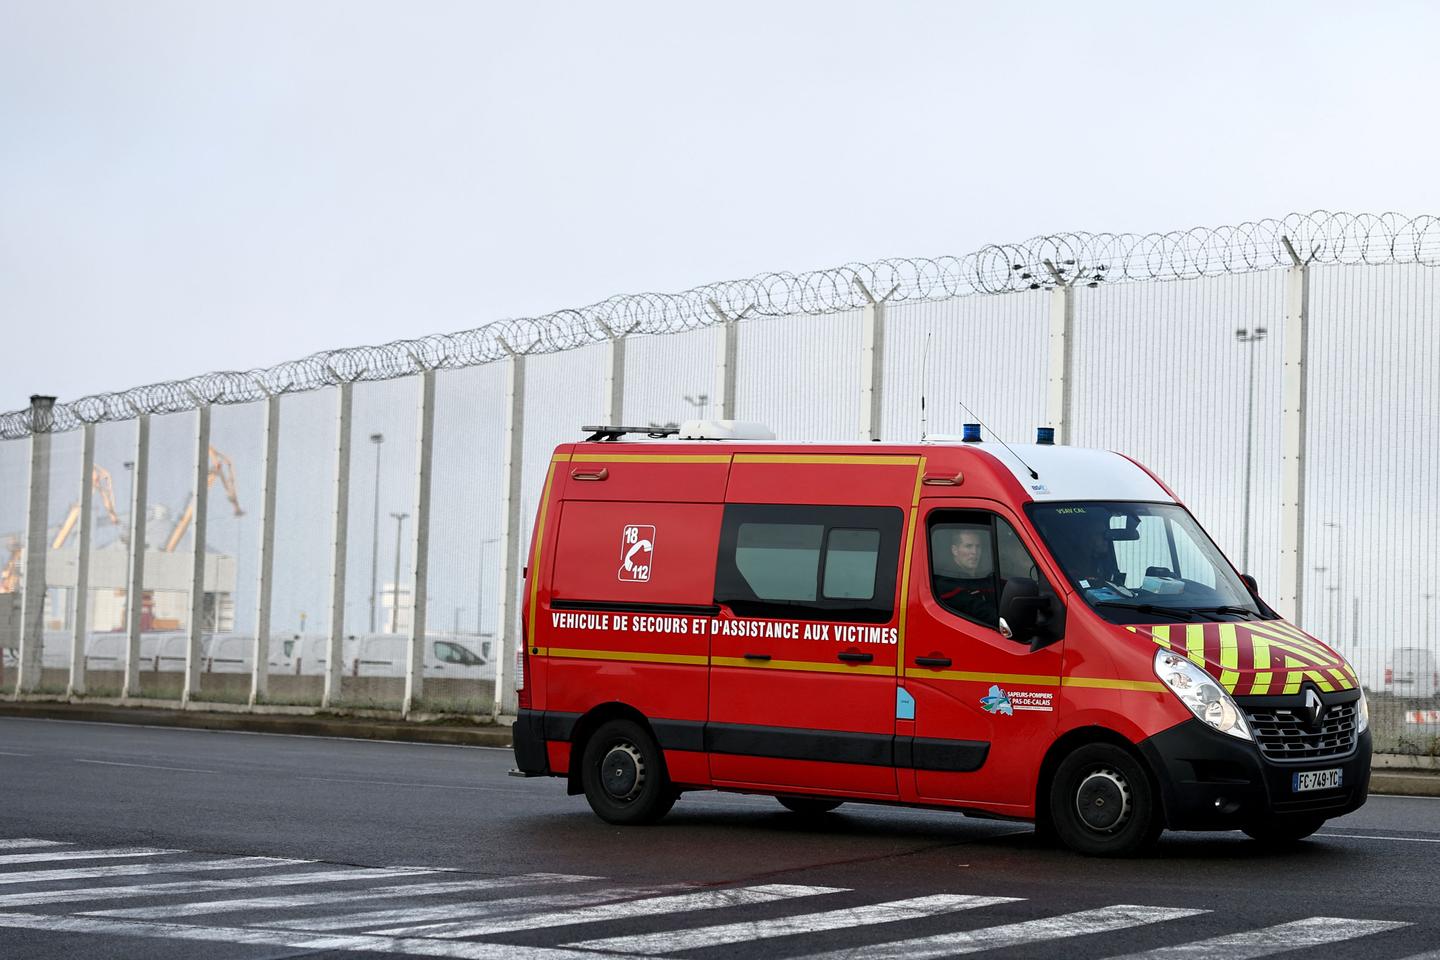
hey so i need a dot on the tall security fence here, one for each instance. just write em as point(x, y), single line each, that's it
point(348, 529)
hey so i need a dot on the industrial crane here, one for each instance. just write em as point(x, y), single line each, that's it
point(222, 468)
point(100, 480)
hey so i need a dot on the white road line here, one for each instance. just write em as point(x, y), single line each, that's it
point(401, 783)
point(674, 941)
point(1311, 932)
point(362, 943)
point(20, 843)
point(469, 912)
point(654, 906)
point(1103, 920)
point(12, 859)
point(177, 888)
point(172, 910)
point(145, 869)
point(143, 766)
point(1367, 836)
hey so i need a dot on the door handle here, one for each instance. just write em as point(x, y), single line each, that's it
point(757, 656)
point(600, 474)
point(932, 661)
point(850, 657)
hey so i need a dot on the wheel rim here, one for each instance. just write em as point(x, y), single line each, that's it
point(1102, 801)
point(622, 772)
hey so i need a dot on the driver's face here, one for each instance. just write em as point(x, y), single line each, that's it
point(967, 549)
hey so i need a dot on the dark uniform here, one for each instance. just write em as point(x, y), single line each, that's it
point(974, 598)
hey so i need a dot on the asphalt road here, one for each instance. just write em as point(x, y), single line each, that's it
point(133, 842)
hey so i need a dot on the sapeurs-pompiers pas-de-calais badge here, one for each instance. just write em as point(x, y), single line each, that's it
point(637, 552)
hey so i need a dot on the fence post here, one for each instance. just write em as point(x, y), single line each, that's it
point(419, 589)
point(80, 621)
point(201, 504)
point(725, 364)
point(1289, 602)
point(507, 631)
point(1062, 344)
point(614, 376)
point(335, 649)
point(135, 587)
point(260, 669)
point(872, 361)
point(37, 528)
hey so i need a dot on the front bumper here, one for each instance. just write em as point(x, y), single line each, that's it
point(1210, 781)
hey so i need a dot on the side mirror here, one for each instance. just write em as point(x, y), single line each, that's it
point(1250, 584)
point(1029, 617)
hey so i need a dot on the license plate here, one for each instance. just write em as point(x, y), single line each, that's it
point(1316, 780)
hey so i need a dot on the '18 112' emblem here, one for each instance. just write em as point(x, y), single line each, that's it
point(637, 551)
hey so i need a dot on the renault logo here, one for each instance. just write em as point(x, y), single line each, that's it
point(1314, 708)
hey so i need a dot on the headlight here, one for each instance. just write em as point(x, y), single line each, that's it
point(1199, 691)
point(1362, 715)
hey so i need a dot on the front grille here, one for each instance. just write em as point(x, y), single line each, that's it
point(1284, 735)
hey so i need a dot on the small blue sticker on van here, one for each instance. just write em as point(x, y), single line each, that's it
point(904, 704)
point(997, 702)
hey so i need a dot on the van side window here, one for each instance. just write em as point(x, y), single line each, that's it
point(811, 562)
point(973, 554)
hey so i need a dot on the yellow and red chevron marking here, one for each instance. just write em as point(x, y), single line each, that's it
point(1255, 658)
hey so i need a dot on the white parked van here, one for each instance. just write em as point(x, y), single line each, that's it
point(1413, 673)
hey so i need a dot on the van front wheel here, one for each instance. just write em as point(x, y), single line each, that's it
point(623, 773)
point(1102, 804)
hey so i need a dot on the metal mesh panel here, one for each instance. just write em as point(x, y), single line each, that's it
point(465, 530)
point(61, 561)
point(165, 602)
point(110, 562)
point(1160, 376)
point(988, 353)
point(1372, 518)
point(304, 525)
point(14, 481)
point(661, 372)
point(800, 375)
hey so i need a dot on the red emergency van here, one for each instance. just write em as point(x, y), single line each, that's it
point(1036, 632)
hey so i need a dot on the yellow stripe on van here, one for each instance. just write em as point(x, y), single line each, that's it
point(1160, 635)
point(1292, 681)
point(905, 568)
point(842, 459)
point(1229, 657)
point(1320, 680)
point(535, 554)
point(1101, 683)
point(972, 677)
point(1195, 643)
point(1262, 683)
point(1288, 641)
point(668, 458)
point(804, 666)
point(631, 656)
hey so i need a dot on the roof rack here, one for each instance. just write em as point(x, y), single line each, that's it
point(615, 433)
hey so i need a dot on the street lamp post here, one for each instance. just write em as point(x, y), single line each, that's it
point(400, 519)
point(1250, 337)
point(377, 439)
point(1339, 577)
point(480, 589)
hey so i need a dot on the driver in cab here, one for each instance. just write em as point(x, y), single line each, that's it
point(971, 593)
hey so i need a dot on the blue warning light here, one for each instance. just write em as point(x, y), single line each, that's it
point(1045, 436)
point(972, 433)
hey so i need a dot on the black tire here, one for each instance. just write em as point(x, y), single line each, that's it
point(1102, 803)
point(1283, 831)
point(623, 772)
point(808, 806)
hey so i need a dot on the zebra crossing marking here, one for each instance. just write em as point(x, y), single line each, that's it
point(180, 887)
point(1080, 924)
point(745, 931)
point(146, 869)
point(651, 907)
point(393, 892)
point(1310, 932)
point(15, 859)
point(20, 843)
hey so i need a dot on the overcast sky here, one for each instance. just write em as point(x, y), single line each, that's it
point(189, 186)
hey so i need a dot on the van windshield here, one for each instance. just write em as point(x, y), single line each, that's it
point(1142, 562)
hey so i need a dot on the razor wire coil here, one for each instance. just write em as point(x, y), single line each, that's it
point(1319, 237)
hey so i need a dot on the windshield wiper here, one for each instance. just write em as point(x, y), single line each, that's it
point(1234, 611)
point(1176, 613)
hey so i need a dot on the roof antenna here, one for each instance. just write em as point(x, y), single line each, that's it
point(924, 367)
point(1033, 474)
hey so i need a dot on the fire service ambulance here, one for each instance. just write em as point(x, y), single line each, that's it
point(1039, 632)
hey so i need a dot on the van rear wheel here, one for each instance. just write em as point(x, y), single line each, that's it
point(623, 773)
point(808, 806)
point(1102, 804)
